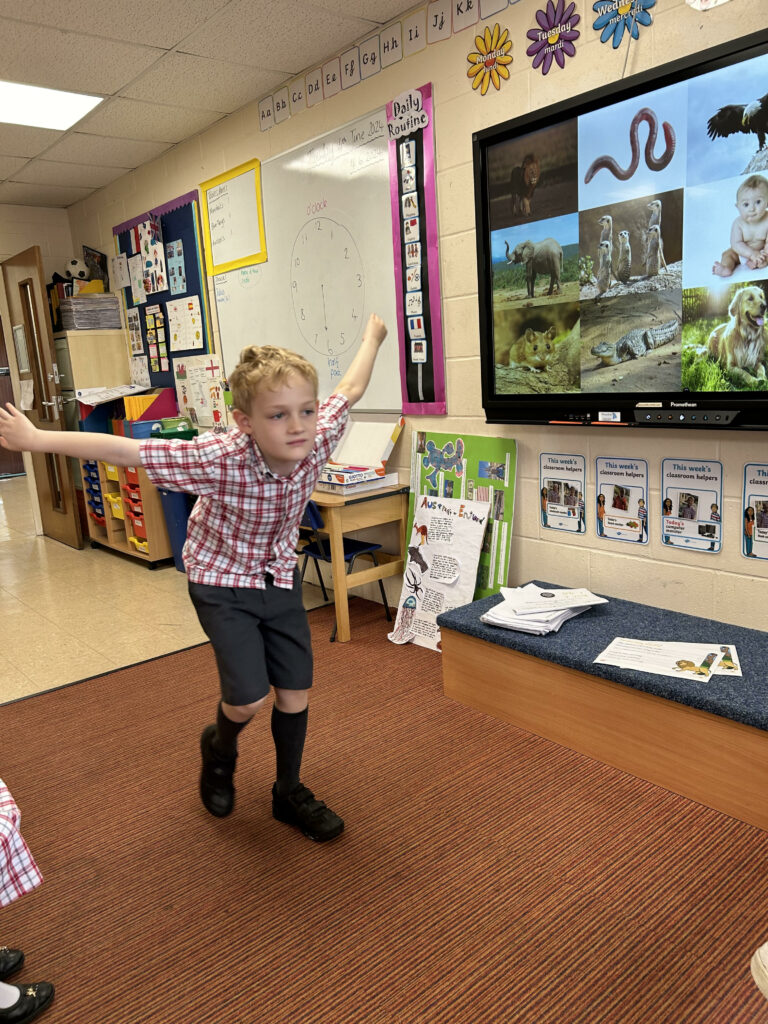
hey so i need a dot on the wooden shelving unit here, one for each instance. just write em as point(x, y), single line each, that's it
point(126, 489)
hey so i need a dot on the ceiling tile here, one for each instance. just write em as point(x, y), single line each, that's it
point(381, 11)
point(18, 140)
point(184, 80)
point(260, 35)
point(132, 119)
point(9, 165)
point(76, 147)
point(52, 172)
point(57, 59)
point(140, 21)
point(21, 194)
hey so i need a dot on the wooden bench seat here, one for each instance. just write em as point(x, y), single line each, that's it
point(706, 740)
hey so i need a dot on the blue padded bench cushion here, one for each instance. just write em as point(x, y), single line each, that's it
point(742, 698)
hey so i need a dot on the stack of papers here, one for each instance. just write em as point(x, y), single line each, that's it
point(532, 609)
point(97, 312)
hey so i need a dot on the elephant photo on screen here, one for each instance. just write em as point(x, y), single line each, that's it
point(545, 257)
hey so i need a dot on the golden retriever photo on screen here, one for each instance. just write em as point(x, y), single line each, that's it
point(740, 343)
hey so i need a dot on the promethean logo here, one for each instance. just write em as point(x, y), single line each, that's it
point(684, 405)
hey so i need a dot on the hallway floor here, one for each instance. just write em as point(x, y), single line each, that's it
point(67, 615)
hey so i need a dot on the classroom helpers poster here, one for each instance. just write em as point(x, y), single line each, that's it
point(621, 499)
point(563, 488)
point(691, 503)
point(447, 536)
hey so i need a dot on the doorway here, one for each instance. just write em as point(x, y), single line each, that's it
point(11, 463)
point(36, 362)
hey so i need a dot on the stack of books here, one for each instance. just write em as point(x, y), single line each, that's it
point(532, 609)
point(359, 462)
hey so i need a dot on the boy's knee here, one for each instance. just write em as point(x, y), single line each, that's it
point(242, 712)
point(291, 701)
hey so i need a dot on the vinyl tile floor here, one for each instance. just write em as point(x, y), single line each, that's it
point(66, 615)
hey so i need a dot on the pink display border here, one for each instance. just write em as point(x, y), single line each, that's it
point(437, 407)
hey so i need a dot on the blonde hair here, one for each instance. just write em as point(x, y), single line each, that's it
point(266, 366)
point(756, 182)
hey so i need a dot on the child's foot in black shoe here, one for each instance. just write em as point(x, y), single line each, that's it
point(216, 789)
point(31, 1002)
point(300, 809)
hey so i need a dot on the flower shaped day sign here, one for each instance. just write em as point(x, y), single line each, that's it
point(488, 63)
point(555, 35)
point(614, 16)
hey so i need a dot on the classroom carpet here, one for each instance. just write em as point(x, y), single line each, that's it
point(486, 875)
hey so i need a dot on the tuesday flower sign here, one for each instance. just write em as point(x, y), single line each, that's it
point(555, 36)
point(488, 61)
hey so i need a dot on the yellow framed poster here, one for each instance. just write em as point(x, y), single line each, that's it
point(233, 219)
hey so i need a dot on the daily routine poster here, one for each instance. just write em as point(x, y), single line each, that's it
point(621, 499)
point(476, 469)
point(691, 500)
point(562, 491)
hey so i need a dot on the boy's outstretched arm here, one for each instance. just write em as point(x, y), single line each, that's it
point(355, 380)
point(18, 434)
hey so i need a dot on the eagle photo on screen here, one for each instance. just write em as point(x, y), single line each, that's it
point(741, 117)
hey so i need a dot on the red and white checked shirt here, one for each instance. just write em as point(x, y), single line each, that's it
point(18, 871)
point(245, 522)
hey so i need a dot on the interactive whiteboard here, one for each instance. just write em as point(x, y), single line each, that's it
point(328, 225)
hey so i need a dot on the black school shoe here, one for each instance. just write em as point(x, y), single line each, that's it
point(300, 809)
point(216, 789)
point(11, 961)
point(33, 1000)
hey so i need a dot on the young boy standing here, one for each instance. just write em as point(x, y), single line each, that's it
point(253, 485)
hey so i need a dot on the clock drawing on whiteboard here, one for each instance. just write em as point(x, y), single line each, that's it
point(327, 286)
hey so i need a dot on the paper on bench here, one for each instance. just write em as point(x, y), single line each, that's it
point(520, 610)
point(531, 598)
point(665, 658)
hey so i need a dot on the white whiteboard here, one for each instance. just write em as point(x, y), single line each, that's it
point(330, 262)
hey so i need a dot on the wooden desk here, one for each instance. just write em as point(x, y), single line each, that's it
point(343, 515)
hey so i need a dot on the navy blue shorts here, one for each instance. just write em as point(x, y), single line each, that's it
point(260, 638)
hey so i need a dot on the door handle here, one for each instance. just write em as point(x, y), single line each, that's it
point(47, 403)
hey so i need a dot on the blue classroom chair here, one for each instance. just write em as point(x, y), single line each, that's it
point(319, 550)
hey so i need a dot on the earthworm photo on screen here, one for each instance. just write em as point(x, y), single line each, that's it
point(655, 163)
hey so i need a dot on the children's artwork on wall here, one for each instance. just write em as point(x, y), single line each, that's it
point(133, 320)
point(613, 19)
point(140, 371)
point(178, 223)
point(444, 547)
point(200, 390)
point(621, 499)
point(562, 490)
point(691, 503)
point(475, 469)
point(174, 262)
point(754, 503)
point(555, 36)
point(185, 324)
point(488, 62)
point(417, 267)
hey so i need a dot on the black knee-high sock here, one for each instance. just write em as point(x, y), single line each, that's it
point(289, 732)
point(226, 733)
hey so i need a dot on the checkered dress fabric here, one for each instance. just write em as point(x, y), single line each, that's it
point(245, 522)
point(18, 871)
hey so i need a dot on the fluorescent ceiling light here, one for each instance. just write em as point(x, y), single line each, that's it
point(43, 108)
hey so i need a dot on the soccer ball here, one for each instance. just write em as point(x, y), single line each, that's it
point(76, 270)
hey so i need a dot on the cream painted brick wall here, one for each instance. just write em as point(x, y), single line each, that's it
point(24, 226)
point(726, 586)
